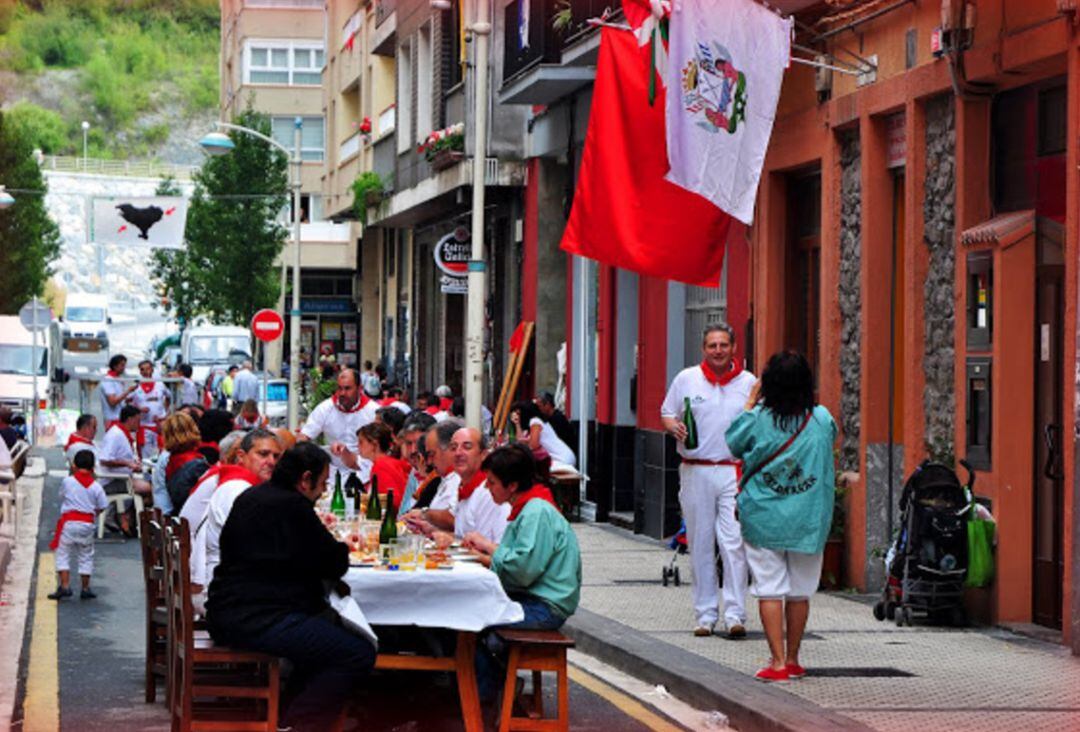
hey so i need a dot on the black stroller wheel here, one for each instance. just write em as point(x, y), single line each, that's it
point(890, 610)
point(678, 580)
point(879, 610)
point(664, 576)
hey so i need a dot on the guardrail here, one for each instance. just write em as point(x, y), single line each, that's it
point(125, 168)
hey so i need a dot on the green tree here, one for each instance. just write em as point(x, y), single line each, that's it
point(43, 128)
point(29, 239)
point(233, 233)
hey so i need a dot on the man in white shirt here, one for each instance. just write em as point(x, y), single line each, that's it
point(245, 386)
point(717, 390)
point(117, 461)
point(152, 399)
point(476, 509)
point(113, 392)
point(337, 419)
point(439, 456)
point(189, 392)
point(82, 438)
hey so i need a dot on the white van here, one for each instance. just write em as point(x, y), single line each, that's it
point(84, 326)
point(17, 365)
point(209, 346)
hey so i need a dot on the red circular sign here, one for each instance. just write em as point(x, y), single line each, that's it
point(267, 325)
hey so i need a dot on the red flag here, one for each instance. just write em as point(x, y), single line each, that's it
point(517, 338)
point(625, 214)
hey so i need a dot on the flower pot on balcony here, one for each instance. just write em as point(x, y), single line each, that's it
point(443, 159)
point(373, 198)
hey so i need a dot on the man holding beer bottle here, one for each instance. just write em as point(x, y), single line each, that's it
point(700, 404)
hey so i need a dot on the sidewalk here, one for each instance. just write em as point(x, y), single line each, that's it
point(865, 674)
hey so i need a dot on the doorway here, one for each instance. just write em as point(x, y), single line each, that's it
point(1049, 484)
point(802, 267)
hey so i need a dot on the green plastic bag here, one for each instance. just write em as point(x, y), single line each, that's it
point(980, 537)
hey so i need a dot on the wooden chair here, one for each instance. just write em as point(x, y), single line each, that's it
point(204, 677)
point(536, 651)
point(152, 541)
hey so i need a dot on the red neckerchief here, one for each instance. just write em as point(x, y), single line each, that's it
point(433, 410)
point(466, 489)
point(146, 386)
point(76, 439)
point(445, 403)
point(179, 460)
point(213, 472)
point(387, 401)
point(115, 374)
point(537, 491)
point(722, 379)
point(237, 472)
point(85, 478)
point(360, 404)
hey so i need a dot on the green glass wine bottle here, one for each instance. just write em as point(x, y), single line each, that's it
point(374, 512)
point(388, 530)
point(691, 441)
point(337, 502)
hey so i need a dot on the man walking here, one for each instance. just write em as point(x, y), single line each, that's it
point(716, 390)
point(245, 387)
point(337, 419)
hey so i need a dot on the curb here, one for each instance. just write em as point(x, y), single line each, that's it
point(750, 705)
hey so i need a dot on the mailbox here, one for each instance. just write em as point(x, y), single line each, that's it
point(979, 416)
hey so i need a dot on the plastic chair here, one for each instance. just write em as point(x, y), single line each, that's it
point(119, 499)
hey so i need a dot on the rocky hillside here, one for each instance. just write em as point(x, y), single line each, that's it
point(143, 73)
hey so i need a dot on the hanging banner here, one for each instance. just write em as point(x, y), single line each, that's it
point(452, 254)
point(154, 221)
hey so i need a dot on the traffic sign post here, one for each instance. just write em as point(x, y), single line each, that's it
point(35, 317)
point(267, 325)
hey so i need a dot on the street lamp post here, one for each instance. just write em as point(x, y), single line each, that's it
point(218, 143)
point(474, 325)
point(85, 130)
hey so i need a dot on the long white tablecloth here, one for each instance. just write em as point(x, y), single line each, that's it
point(468, 597)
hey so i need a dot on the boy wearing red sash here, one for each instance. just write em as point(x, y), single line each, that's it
point(81, 499)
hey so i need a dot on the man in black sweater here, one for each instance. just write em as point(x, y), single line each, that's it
point(545, 402)
point(268, 593)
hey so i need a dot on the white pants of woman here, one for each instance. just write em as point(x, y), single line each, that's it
point(707, 497)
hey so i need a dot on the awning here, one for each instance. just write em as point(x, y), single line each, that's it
point(1003, 230)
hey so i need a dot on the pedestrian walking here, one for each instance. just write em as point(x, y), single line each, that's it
point(705, 399)
point(786, 503)
point(81, 499)
point(245, 386)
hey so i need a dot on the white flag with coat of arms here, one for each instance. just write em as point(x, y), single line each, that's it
point(726, 63)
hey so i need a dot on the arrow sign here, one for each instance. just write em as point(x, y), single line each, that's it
point(267, 325)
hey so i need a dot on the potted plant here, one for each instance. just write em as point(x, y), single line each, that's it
point(832, 565)
point(445, 147)
point(368, 190)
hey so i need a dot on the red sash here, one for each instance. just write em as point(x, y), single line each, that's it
point(65, 517)
point(236, 472)
point(466, 489)
point(541, 492)
point(722, 379)
point(211, 473)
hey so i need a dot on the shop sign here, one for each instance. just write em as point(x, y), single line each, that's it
point(452, 254)
point(314, 305)
point(896, 137)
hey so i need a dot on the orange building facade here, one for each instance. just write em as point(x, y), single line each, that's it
point(917, 236)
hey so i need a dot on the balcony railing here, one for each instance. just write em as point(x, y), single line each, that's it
point(126, 168)
point(348, 148)
point(383, 10)
point(529, 37)
point(582, 11)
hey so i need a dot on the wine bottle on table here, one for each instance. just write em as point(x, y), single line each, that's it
point(691, 441)
point(337, 503)
point(356, 491)
point(373, 509)
point(388, 530)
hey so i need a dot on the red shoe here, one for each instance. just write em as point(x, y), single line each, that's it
point(795, 671)
point(771, 675)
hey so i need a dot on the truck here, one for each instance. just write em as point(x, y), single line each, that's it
point(83, 330)
point(207, 347)
point(18, 364)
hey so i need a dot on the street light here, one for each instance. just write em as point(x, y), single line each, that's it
point(218, 143)
point(6, 199)
point(474, 324)
point(85, 129)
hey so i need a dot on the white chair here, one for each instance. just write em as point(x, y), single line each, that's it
point(118, 499)
point(9, 501)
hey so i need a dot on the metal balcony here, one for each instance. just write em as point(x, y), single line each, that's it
point(532, 72)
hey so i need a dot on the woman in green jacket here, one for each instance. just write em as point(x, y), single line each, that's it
point(786, 501)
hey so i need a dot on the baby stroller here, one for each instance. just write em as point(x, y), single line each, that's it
point(678, 544)
point(927, 563)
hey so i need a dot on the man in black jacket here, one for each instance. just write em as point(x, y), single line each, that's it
point(545, 402)
point(268, 593)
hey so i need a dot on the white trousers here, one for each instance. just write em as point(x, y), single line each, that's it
point(77, 538)
point(707, 497)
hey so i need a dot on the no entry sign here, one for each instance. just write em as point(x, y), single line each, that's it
point(267, 325)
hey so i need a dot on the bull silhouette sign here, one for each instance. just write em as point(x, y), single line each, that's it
point(155, 221)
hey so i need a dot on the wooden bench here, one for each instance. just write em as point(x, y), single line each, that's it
point(536, 651)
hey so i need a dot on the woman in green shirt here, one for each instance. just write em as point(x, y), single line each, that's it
point(786, 501)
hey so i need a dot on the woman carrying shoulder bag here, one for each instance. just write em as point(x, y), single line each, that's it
point(786, 501)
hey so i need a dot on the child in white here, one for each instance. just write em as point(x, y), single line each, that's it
point(81, 499)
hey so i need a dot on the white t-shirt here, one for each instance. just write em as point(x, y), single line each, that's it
point(76, 448)
point(714, 409)
point(441, 415)
point(480, 513)
point(217, 513)
point(116, 445)
point(446, 498)
point(189, 392)
point(74, 497)
point(111, 386)
point(405, 408)
point(195, 507)
point(550, 441)
point(155, 401)
point(338, 426)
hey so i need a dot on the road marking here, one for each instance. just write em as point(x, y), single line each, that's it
point(41, 709)
point(625, 704)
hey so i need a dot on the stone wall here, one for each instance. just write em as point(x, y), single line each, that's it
point(850, 296)
point(939, 311)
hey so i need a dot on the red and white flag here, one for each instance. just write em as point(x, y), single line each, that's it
point(725, 68)
point(625, 213)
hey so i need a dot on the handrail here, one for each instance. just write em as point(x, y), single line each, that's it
point(126, 168)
